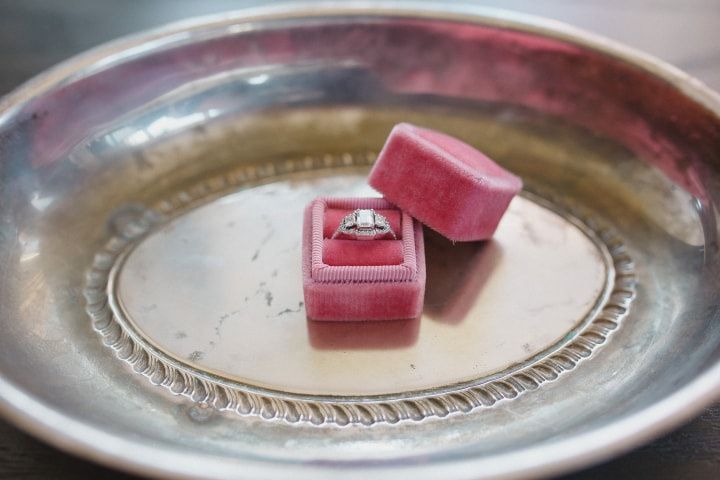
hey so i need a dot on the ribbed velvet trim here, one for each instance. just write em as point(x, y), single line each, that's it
point(321, 272)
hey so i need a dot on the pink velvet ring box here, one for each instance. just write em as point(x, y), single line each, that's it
point(446, 184)
point(346, 279)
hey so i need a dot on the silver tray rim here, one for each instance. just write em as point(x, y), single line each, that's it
point(75, 437)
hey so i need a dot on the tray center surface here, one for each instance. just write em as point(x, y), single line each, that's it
point(219, 288)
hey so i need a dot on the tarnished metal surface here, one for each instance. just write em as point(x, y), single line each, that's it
point(112, 162)
point(202, 295)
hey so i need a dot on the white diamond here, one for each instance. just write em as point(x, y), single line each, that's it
point(365, 218)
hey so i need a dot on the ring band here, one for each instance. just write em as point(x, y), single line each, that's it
point(364, 224)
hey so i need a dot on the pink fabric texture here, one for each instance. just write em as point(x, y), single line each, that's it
point(354, 252)
point(446, 184)
point(356, 289)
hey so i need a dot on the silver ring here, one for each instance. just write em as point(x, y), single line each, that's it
point(365, 224)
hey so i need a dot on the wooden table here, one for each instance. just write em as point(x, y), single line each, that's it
point(35, 34)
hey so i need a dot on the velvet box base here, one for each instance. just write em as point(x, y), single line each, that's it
point(360, 280)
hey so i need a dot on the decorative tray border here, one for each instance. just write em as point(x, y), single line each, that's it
point(117, 332)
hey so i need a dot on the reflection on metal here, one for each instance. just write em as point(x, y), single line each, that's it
point(167, 125)
point(195, 102)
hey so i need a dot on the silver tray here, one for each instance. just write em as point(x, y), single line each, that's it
point(150, 298)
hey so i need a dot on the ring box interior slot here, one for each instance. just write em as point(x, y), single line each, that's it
point(350, 279)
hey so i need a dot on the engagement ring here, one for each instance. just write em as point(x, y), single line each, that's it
point(365, 224)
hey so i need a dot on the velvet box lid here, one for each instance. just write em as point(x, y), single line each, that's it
point(444, 183)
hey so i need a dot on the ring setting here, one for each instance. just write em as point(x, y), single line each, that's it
point(365, 224)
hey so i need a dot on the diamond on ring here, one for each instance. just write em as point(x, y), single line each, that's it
point(364, 224)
